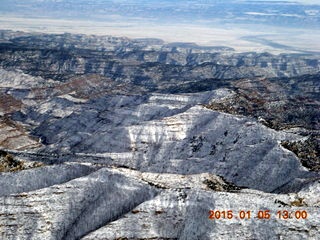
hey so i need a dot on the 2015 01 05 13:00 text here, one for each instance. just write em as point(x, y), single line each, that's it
point(260, 214)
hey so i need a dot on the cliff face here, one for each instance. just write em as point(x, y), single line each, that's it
point(139, 139)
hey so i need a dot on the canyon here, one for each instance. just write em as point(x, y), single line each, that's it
point(107, 137)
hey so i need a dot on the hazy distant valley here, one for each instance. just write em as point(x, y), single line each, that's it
point(272, 26)
point(114, 138)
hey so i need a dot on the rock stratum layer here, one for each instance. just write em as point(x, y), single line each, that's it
point(112, 138)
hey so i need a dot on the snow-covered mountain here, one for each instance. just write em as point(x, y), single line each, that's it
point(114, 138)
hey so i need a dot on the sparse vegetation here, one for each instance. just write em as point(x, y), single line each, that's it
point(135, 211)
point(8, 163)
point(308, 151)
point(221, 187)
point(196, 143)
point(300, 202)
point(277, 103)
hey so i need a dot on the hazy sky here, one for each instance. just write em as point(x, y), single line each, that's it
point(247, 27)
point(306, 1)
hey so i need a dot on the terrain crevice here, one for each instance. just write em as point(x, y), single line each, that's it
point(46, 176)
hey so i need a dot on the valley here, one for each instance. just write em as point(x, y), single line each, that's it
point(108, 137)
